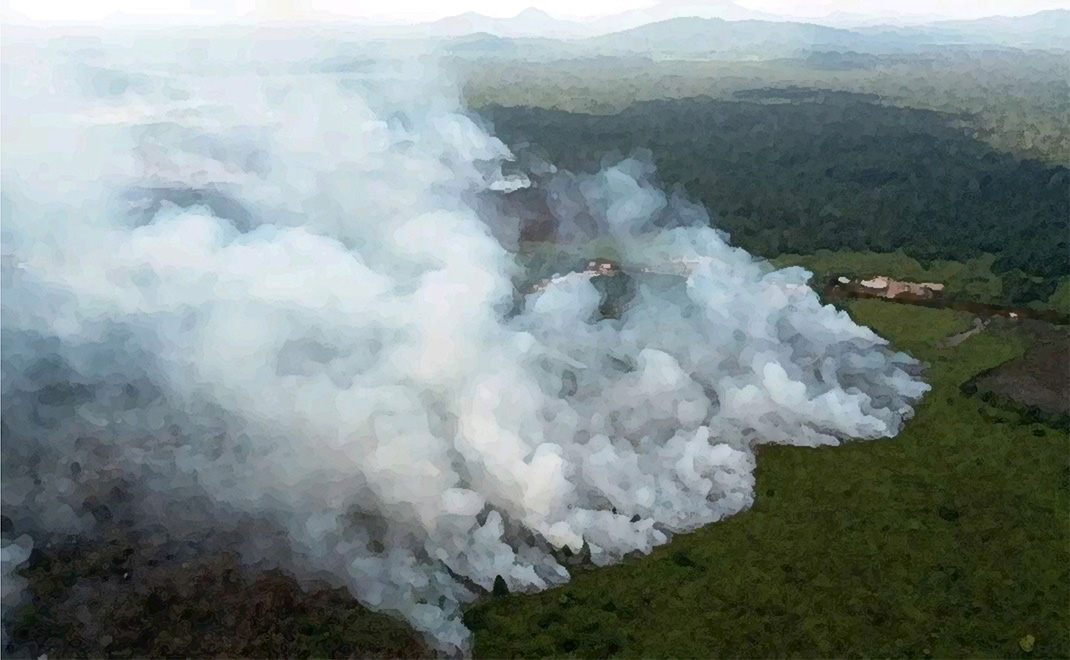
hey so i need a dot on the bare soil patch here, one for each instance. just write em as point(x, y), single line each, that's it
point(1038, 380)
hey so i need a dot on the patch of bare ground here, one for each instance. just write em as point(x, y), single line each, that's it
point(1037, 381)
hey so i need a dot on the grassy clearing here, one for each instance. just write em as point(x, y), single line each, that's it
point(1060, 300)
point(918, 335)
point(969, 280)
point(973, 279)
point(950, 540)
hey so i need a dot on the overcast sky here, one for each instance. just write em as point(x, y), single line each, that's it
point(96, 10)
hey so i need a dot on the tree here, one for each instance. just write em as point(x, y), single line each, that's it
point(500, 588)
point(585, 553)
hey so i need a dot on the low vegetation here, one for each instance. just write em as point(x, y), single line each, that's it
point(950, 540)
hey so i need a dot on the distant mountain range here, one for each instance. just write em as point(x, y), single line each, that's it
point(534, 22)
point(672, 9)
point(697, 36)
point(714, 36)
point(679, 28)
point(1046, 29)
point(529, 23)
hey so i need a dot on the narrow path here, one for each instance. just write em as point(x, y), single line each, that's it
point(959, 337)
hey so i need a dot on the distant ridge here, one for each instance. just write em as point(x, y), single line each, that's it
point(689, 27)
point(703, 37)
point(685, 28)
point(672, 9)
point(531, 22)
point(1047, 29)
point(714, 35)
point(534, 22)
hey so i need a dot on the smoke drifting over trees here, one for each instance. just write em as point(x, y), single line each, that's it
point(270, 298)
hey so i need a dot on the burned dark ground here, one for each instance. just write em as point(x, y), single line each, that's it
point(1037, 383)
point(122, 599)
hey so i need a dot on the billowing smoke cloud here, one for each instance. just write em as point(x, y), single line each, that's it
point(277, 296)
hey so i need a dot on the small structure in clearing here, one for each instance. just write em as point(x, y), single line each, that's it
point(601, 267)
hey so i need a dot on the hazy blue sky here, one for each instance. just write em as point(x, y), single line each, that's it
point(94, 10)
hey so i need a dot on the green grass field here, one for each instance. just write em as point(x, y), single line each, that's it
point(950, 540)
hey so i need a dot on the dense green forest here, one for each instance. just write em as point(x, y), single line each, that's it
point(1016, 101)
point(800, 170)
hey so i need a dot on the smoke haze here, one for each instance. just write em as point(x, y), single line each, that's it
point(270, 290)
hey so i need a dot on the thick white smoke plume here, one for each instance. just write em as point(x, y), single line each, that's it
point(273, 291)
